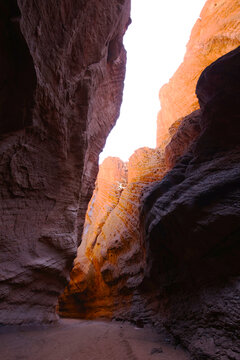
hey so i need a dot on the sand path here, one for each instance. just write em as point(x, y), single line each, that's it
point(86, 340)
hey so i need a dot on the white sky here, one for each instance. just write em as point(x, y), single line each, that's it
point(155, 43)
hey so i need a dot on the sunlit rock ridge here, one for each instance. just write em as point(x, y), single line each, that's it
point(165, 250)
point(111, 258)
point(215, 33)
point(61, 82)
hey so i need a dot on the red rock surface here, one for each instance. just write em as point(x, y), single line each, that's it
point(62, 71)
point(215, 33)
point(110, 259)
point(165, 249)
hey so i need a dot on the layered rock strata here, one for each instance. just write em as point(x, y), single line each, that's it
point(168, 252)
point(215, 33)
point(61, 82)
point(110, 261)
point(192, 225)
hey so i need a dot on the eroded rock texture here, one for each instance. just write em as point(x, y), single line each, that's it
point(62, 71)
point(192, 225)
point(166, 248)
point(182, 133)
point(110, 262)
point(215, 33)
point(176, 263)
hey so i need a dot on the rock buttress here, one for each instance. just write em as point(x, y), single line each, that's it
point(62, 73)
point(192, 225)
point(215, 33)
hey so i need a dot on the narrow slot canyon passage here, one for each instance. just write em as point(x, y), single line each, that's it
point(136, 255)
point(111, 253)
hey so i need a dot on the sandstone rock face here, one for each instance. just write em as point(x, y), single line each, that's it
point(166, 247)
point(192, 225)
point(62, 71)
point(182, 133)
point(86, 277)
point(110, 261)
point(111, 180)
point(215, 33)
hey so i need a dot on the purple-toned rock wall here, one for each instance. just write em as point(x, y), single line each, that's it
point(62, 73)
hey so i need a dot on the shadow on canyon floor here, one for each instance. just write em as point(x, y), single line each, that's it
point(87, 340)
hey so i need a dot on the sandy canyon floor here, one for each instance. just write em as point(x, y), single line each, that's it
point(87, 340)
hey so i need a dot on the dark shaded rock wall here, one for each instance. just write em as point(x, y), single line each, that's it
point(192, 225)
point(62, 72)
point(182, 136)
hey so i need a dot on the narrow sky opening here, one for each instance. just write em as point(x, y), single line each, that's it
point(155, 43)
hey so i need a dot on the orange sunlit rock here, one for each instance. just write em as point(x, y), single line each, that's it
point(111, 257)
point(112, 276)
point(112, 178)
point(215, 33)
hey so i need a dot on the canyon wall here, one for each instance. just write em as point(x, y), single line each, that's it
point(192, 225)
point(111, 258)
point(167, 250)
point(215, 33)
point(62, 72)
